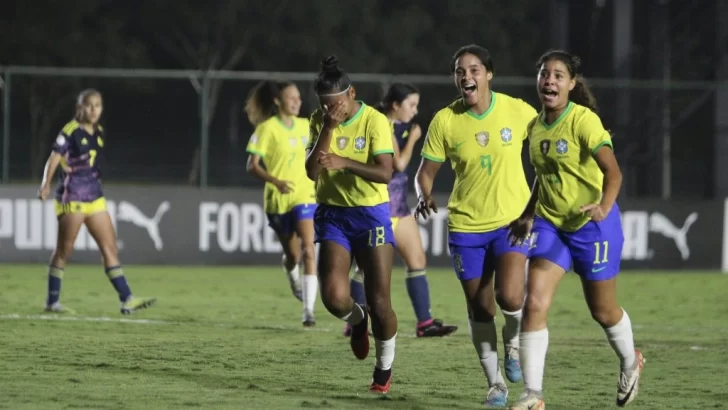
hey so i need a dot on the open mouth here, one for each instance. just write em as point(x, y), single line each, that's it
point(549, 95)
point(468, 89)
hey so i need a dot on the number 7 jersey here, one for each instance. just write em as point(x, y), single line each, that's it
point(79, 175)
point(490, 189)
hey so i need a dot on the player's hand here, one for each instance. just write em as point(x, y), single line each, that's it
point(284, 187)
point(520, 230)
point(331, 162)
point(43, 192)
point(595, 211)
point(425, 207)
point(335, 114)
point(415, 132)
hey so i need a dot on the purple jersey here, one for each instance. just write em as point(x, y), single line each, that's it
point(80, 151)
point(397, 187)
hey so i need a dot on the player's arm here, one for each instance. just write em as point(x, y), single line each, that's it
point(254, 166)
point(59, 149)
point(50, 168)
point(320, 136)
point(433, 155)
point(405, 155)
point(599, 142)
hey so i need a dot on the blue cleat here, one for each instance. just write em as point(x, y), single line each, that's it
point(497, 396)
point(512, 365)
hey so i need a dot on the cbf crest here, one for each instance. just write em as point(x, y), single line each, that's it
point(562, 147)
point(506, 135)
point(342, 142)
point(545, 146)
point(360, 143)
point(482, 138)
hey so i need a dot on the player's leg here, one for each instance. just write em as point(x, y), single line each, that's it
point(410, 249)
point(305, 231)
point(549, 260)
point(284, 227)
point(597, 250)
point(469, 256)
point(102, 230)
point(510, 282)
point(374, 252)
point(68, 226)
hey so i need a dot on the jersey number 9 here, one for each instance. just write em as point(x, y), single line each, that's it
point(486, 162)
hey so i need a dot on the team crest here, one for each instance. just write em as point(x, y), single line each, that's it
point(545, 146)
point(342, 142)
point(506, 135)
point(360, 143)
point(292, 141)
point(562, 146)
point(482, 138)
point(304, 140)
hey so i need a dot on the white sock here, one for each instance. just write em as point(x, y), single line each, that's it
point(485, 340)
point(310, 288)
point(533, 357)
point(293, 273)
point(355, 316)
point(621, 340)
point(385, 352)
point(511, 328)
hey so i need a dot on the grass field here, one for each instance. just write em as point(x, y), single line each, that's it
point(230, 338)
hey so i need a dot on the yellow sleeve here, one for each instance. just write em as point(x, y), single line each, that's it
point(314, 128)
point(591, 132)
point(259, 141)
point(380, 136)
point(529, 113)
point(434, 146)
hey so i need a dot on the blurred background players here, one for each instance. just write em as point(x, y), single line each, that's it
point(400, 106)
point(350, 158)
point(577, 223)
point(279, 140)
point(80, 200)
point(482, 134)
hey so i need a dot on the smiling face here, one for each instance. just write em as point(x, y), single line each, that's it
point(472, 78)
point(554, 82)
point(289, 102)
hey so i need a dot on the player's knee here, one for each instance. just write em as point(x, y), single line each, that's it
point(308, 251)
point(380, 306)
point(62, 253)
point(536, 306)
point(417, 261)
point(336, 300)
point(606, 316)
point(509, 299)
point(109, 251)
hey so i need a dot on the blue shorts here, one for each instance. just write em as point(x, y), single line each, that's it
point(354, 227)
point(476, 253)
point(595, 250)
point(285, 224)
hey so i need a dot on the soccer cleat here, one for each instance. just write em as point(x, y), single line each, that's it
point(512, 364)
point(309, 320)
point(347, 330)
point(377, 388)
point(530, 400)
point(435, 329)
point(295, 283)
point(359, 339)
point(629, 383)
point(58, 308)
point(497, 396)
point(133, 304)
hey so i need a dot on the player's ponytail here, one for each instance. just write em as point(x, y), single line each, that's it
point(261, 102)
point(581, 94)
point(331, 79)
point(396, 93)
point(82, 100)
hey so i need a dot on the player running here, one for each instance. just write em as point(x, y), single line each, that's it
point(577, 224)
point(279, 140)
point(482, 135)
point(350, 158)
point(400, 106)
point(80, 201)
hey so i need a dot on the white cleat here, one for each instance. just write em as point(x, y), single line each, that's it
point(530, 400)
point(629, 383)
point(295, 283)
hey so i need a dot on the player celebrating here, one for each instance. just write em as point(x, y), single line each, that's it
point(280, 139)
point(80, 200)
point(482, 134)
point(577, 223)
point(350, 158)
point(400, 106)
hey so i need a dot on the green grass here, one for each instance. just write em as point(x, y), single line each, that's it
point(230, 338)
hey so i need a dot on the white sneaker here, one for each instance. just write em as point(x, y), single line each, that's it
point(629, 383)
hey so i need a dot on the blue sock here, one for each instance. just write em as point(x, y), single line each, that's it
point(357, 288)
point(419, 294)
point(55, 277)
point(117, 278)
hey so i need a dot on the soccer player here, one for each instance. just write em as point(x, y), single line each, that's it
point(577, 223)
point(279, 140)
point(482, 135)
point(350, 158)
point(80, 201)
point(400, 106)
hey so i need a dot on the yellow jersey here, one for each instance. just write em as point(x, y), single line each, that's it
point(568, 176)
point(490, 189)
point(365, 135)
point(283, 150)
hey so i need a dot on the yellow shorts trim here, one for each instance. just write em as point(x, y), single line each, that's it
point(395, 221)
point(84, 208)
